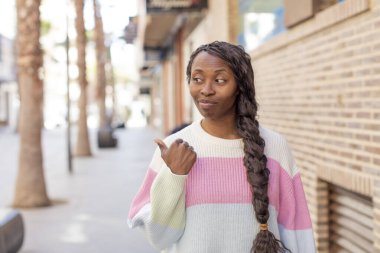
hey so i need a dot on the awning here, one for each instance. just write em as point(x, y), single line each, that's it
point(158, 30)
point(165, 17)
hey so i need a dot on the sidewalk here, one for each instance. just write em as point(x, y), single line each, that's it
point(91, 205)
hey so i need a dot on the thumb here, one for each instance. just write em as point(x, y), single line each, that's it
point(161, 145)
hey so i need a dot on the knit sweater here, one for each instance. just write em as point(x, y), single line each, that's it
point(210, 209)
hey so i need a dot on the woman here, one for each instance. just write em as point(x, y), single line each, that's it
point(224, 181)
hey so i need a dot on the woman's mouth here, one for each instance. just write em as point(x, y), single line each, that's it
point(206, 104)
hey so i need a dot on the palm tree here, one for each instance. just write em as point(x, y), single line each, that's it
point(83, 145)
point(30, 184)
point(101, 58)
point(111, 82)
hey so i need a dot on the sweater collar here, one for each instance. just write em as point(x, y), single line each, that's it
point(205, 136)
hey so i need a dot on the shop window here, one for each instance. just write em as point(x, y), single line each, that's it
point(350, 221)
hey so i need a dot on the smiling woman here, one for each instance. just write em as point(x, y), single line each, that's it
point(225, 183)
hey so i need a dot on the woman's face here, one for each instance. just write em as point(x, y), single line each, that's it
point(213, 87)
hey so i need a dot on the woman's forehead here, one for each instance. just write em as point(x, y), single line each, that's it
point(205, 61)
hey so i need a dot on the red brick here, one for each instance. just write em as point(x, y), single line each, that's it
point(373, 150)
point(372, 82)
point(354, 105)
point(354, 42)
point(369, 60)
point(362, 158)
point(375, 127)
point(376, 47)
point(364, 137)
point(347, 34)
point(363, 72)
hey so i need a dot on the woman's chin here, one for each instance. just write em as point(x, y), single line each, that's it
point(206, 114)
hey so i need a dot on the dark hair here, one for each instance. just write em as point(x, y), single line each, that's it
point(248, 128)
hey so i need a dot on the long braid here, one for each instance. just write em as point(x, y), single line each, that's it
point(258, 176)
point(255, 160)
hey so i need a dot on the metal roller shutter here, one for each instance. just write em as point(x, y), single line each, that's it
point(351, 222)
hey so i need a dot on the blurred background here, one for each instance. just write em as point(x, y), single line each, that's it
point(86, 85)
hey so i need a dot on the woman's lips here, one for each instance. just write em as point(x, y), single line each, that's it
point(206, 104)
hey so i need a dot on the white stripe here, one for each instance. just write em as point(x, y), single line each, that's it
point(298, 241)
point(159, 236)
point(222, 228)
point(206, 145)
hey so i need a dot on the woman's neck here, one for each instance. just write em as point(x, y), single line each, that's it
point(224, 128)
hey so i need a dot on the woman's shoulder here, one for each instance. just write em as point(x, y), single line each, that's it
point(277, 148)
point(271, 137)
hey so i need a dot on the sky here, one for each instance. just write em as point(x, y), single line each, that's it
point(115, 14)
point(7, 18)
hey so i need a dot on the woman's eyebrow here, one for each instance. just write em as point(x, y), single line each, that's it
point(215, 71)
point(198, 70)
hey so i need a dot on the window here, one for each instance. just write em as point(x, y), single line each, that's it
point(259, 21)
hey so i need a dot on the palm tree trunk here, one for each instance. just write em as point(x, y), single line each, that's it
point(30, 184)
point(83, 144)
point(101, 59)
point(111, 79)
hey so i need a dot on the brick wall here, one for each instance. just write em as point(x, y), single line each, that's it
point(319, 85)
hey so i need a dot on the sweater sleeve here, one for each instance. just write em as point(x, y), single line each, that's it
point(294, 219)
point(159, 206)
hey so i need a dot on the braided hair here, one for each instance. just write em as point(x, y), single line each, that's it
point(248, 128)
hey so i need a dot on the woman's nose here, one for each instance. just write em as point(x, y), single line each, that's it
point(207, 89)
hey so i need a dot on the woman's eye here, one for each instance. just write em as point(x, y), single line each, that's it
point(220, 80)
point(197, 79)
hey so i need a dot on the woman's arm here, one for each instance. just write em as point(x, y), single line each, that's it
point(294, 219)
point(159, 206)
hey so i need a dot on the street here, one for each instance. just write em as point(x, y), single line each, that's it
point(90, 206)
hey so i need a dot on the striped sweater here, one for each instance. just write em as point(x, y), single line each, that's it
point(209, 210)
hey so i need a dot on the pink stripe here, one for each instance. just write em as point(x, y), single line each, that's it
point(287, 196)
point(223, 180)
point(217, 180)
point(294, 212)
point(143, 196)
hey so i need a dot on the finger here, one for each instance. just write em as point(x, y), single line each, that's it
point(179, 141)
point(161, 145)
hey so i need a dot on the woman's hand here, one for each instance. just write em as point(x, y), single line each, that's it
point(179, 157)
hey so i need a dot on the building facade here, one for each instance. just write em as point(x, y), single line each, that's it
point(318, 83)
